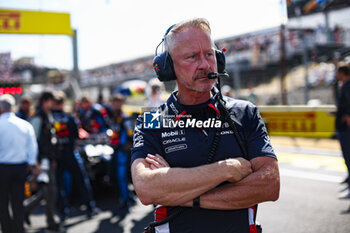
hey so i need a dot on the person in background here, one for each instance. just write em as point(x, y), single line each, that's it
point(90, 118)
point(154, 93)
point(104, 109)
point(24, 108)
point(273, 100)
point(43, 126)
point(342, 122)
point(69, 160)
point(226, 90)
point(18, 153)
point(106, 105)
point(121, 141)
point(252, 97)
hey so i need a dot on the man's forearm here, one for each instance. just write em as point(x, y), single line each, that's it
point(262, 185)
point(174, 186)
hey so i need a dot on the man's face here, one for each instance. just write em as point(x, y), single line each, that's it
point(48, 104)
point(25, 106)
point(339, 76)
point(117, 105)
point(85, 104)
point(57, 105)
point(194, 57)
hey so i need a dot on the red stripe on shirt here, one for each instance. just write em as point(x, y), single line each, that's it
point(161, 213)
point(180, 115)
point(215, 109)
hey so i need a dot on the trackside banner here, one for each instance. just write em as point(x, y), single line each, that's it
point(34, 22)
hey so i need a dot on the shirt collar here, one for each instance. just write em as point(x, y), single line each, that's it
point(6, 114)
point(179, 110)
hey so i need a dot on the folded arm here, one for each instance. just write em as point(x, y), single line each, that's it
point(260, 186)
point(177, 186)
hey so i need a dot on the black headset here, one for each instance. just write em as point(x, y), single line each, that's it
point(164, 68)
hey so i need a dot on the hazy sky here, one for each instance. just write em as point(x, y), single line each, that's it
point(111, 31)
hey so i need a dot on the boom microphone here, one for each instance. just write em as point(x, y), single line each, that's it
point(214, 75)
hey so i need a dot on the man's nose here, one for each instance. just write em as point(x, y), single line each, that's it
point(204, 62)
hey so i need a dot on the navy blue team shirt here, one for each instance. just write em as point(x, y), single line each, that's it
point(188, 147)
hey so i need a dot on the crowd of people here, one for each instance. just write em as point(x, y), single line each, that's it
point(57, 141)
point(256, 49)
point(138, 68)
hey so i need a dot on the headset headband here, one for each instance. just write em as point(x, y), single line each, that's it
point(163, 64)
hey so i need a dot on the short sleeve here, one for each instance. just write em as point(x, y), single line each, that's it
point(145, 141)
point(258, 140)
point(32, 146)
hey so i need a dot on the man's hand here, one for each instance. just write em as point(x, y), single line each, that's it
point(156, 161)
point(238, 169)
point(260, 186)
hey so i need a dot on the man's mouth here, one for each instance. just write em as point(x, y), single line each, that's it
point(203, 75)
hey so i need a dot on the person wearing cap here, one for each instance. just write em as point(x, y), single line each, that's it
point(91, 118)
point(42, 123)
point(18, 153)
point(69, 160)
point(120, 133)
point(24, 108)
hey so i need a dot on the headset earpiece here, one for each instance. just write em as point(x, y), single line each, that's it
point(164, 68)
point(220, 61)
point(163, 64)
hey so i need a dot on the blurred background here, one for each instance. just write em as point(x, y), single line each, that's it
point(115, 43)
point(277, 52)
point(281, 55)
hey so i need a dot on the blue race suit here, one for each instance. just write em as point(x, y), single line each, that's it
point(120, 140)
point(69, 160)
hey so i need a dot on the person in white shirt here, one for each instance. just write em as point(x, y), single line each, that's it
point(18, 152)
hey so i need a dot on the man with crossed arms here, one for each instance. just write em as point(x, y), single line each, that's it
point(216, 196)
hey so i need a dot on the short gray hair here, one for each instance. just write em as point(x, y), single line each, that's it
point(7, 102)
point(200, 23)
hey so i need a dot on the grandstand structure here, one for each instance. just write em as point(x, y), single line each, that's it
point(255, 57)
point(24, 73)
point(251, 59)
